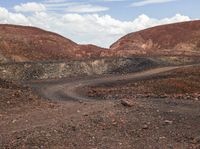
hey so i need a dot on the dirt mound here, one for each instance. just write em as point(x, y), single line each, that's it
point(22, 43)
point(173, 39)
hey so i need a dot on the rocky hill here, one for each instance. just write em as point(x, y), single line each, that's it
point(172, 39)
point(22, 43)
point(26, 44)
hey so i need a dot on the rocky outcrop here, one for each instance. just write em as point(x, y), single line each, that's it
point(49, 70)
point(54, 70)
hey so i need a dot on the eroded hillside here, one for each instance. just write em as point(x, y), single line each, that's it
point(173, 39)
point(21, 43)
point(25, 44)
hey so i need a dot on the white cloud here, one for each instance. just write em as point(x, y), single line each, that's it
point(148, 2)
point(7, 17)
point(74, 7)
point(86, 8)
point(112, 0)
point(59, 5)
point(30, 7)
point(102, 30)
point(54, 1)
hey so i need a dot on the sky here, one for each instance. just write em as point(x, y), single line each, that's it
point(99, 22)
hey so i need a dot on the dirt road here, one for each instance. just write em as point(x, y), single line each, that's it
point(150, 123)
point(67, 89)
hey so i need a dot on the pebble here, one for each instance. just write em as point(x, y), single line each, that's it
point(85, 114)
point(48, 135)
point(145, 127)
point(168, 122)
point(163, 137)
point(13, 121)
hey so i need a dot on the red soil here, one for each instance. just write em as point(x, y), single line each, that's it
point(172, 39)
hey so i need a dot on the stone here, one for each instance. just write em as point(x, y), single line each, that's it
point(168, 122)
point(48, 135)
point(197, 139)
point(145, 127)
point(127, 103)
point(14, 121)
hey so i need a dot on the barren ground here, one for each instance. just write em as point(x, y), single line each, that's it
point(162, 121)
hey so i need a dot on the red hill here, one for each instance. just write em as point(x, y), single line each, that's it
point(22, 43)
point(172, 39)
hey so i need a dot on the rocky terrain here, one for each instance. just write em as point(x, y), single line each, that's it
point(142, 93)
point(25, 71)
point(25, 44)
point(128, 121)
point(183, 83)
point(173, 39)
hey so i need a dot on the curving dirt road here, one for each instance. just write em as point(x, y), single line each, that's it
point(149, 123)
point(67, 89)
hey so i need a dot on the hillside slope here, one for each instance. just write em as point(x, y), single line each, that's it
point(172, 39)
point(21, 43)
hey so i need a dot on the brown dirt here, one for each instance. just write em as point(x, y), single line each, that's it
point(150, 123)
point(182, 83)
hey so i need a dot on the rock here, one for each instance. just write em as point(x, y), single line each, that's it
point(51, 105)
point(127, 103)
point(80, 101)
point(85, 114)
point(48, 135)
point(14, 121)
point(148, 123)
point(170, 146)
point(168, 122)
point(73, 128)
point(145, 127)
point(161, 138)
point(197, 139)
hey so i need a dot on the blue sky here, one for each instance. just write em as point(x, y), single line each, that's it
point(122, 10)
point(98, 22)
